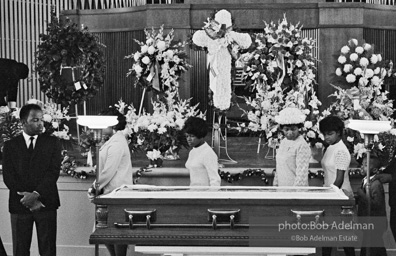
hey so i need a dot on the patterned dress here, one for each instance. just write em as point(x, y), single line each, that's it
point(292, 162)
point(337, 157)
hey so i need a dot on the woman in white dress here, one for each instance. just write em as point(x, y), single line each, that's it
point(202, 161)
point(335, 163)
point(294, 153)
point(336, 158)
point(115, 166)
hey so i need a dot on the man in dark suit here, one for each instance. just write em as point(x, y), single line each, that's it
point(10, 74)
point(374, 242)
point(31, 164)
point(389, 175)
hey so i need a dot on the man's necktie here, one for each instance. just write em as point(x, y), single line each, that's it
point(31, 144)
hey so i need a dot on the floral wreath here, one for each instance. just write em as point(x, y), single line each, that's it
point(280, 70)
point(66, 47)
point(158, 64)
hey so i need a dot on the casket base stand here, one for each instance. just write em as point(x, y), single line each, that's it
point(226, 251)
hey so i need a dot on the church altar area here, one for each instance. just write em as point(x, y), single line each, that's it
point(329, 24)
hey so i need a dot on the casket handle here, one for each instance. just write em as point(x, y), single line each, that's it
point(317, 214)
point(347, 210)
point(223, 215)
point(148, 223)
point(232, 218)
point(130, 217)
point(214, 221)
point(140, 216)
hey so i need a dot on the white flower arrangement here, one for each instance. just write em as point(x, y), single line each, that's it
point(383, 147)
point(360, 94)
point(361, 61)
point(162, 129)
point(363, 74)
point(154, 154)
point(280, 69)
point(158, 64)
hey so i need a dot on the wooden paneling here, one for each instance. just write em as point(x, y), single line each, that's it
point(384, 43)
point(116, 84)
point(199, 81)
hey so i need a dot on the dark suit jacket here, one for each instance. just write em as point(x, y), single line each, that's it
point(391, 169)
point(378, 206)
point(38, 171)
point(10, 74)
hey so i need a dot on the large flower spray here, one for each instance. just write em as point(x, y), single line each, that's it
point(281, 72)
point(159, 63)
point(359, 79)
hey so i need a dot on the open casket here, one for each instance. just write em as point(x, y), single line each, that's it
point(207, 216)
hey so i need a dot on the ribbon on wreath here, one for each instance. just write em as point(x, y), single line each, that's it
point(215, 30)
point(89, 158)
point(154, 77)
point(280, 61)
point(354, 95)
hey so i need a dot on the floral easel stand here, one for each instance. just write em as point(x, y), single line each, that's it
point(271, 152)
point(219, 137)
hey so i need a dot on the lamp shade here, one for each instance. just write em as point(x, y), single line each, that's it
point(97, 122)
point(369, 126)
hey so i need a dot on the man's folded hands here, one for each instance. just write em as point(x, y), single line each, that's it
point(31, 200)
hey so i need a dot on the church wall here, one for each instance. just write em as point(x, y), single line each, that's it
point(336, 23)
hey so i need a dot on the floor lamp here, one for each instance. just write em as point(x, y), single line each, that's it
point(369, 128)
point(97, 124)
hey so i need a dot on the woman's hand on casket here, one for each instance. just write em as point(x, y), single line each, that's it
point(91, 193)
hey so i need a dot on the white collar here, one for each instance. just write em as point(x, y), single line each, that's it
point(27, 137)
point(365, 179)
